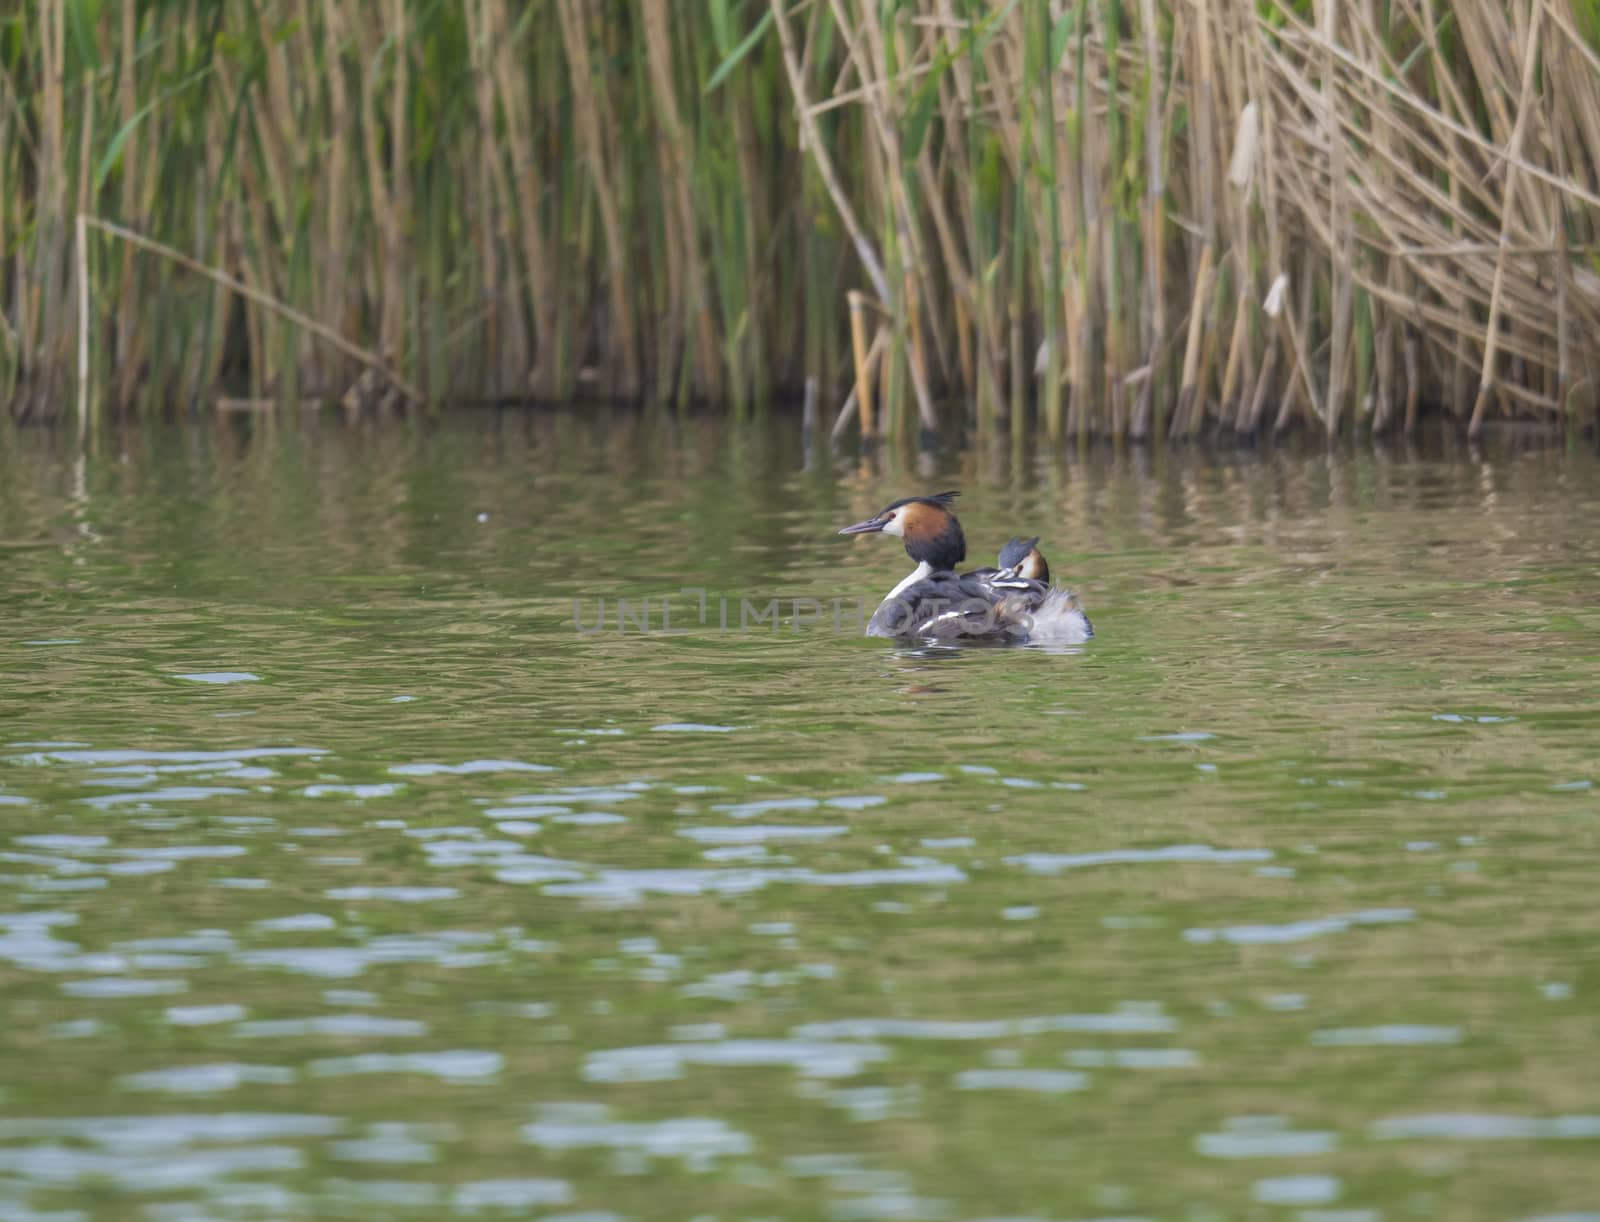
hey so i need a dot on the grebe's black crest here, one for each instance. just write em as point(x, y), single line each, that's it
point(941, 499)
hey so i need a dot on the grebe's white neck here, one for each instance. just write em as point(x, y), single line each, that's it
point(922, 571)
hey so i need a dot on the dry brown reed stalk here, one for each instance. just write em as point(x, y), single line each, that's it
point(575, 33)
point(1342, 247)
point(870, 55)
point(814, 145)
point(1152, 314)
point(1513, 155)
point(42, 325)
point(690, 309)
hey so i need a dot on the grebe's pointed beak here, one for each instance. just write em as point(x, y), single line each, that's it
point(867, 527)
point(1010, 579)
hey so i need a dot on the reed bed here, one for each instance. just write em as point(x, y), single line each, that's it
point(1133, 218)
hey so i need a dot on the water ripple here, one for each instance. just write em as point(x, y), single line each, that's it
point(1055, 863)
point(470, 768)
point(1039, 1081)
point(1476, 1126)
point(459, 1065)
point(206, 1079)
point(1264, 1137)
point(659, 1062)
point(1390, 1034)
point(1298, 931)
point(695, 1141)
point(1131, 1021)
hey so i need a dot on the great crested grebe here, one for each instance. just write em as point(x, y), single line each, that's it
point(1014, 602)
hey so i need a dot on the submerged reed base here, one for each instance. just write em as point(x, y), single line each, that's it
point(1139, 219)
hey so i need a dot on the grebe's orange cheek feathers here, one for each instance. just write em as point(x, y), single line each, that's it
point(919, 520)
point(1034, 568)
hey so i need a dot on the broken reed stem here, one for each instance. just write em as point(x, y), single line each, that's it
point(850, 407)
point(1264, 385)
point(858, 341)
point(1183, 418)
point(1278, 310)
point(287, 312)
point(1232, 370)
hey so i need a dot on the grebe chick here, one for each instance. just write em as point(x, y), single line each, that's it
point(1021, 559)
point(1054, 611)
point(1020, 562)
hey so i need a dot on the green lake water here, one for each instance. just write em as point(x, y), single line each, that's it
point(342, 876)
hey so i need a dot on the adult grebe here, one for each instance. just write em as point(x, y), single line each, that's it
point(1014, 603)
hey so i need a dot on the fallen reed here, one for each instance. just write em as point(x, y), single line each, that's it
point(1136, 217)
